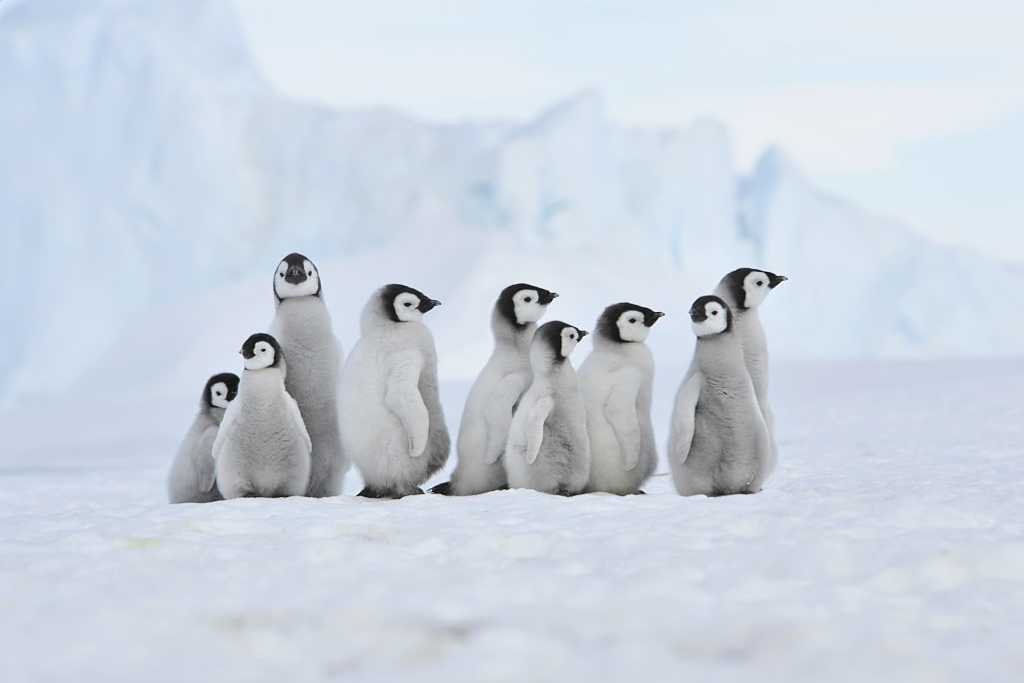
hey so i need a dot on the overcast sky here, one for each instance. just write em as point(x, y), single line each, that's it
point(910, 108)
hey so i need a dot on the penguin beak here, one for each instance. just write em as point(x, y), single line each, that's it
point(775, 280)
point(583, 333)
point(428, 305)
point(545, 299)
point(658, 315)
point(295, 275)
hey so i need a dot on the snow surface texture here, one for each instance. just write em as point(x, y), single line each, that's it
point(147, 165)
point(888, 546)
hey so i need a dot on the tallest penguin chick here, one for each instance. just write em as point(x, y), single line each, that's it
point(744, 290)
point(302, 325)
point(391, 418)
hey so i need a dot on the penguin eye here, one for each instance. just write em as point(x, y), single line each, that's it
point(280, 275)
point(407, 304)
point(632, 320)
point(309, 273)
point(528, 299)
point(760, 283)
point(714, 312)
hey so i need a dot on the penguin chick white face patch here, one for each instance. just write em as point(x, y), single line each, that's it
point(407, 307)
point(755, 288)
point(714, 319)
point(219, 395)
point(295, 278)
point(262, 356)
point(631, 326)
point(570, 338)
point(527, 306)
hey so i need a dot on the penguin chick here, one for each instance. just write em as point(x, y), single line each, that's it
point(719, 443)
point(488, 412)
point(547, 447)
point(302, 325)
point(617, 380)
point(744, 290)
point(262, 448)
point(192, 478)
point(392, 423)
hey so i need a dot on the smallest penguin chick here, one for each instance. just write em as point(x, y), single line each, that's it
point(192, 478)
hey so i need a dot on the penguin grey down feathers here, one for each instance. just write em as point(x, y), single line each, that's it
point(192, 478)
point(392, 423)
point(744, 290)
point(548, 449)
point(719, 443)
point(262, 448)
point(483, 431)
point(617, 380)
point(302, 325)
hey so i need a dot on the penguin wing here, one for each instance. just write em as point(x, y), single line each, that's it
point(298, 424)
point(620, 412)
point(227, 428)
point(206, 466)
point(498, 415)
point(684, 415)
point(404, 400)
point(535, 427)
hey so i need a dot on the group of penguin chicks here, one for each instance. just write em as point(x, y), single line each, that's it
point(296, 418)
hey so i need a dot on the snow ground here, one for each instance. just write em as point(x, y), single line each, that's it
point(889, 546)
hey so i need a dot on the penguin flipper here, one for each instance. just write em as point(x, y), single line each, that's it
point(535, 427)
point(498, 415)
point(684, 415)
point(295, 416)
point(403, 399)
point(444, 489)
point(206, 466)
point(620, 411)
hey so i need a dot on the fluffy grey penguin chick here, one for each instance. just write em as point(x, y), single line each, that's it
point(548, 449)
point(262, 448)
point(392, 424)
point(719, 443)
point(617, 380)
point(192, 478)
point(744, 290)
point(302, 325)
point(483, 431)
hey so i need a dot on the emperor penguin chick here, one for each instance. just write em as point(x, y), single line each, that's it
point(392, 424)
point(192, 478)
point(488, 412)
point(547, 447)
point(302, 325)
point(617, 380)
point(719, 443)
point(744, 290)
point(262, 448)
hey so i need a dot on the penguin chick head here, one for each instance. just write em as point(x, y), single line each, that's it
point(220, 390)
point(710, 315)
point(404, 304)
point(626, 322)
point(750, 287)
point(557, 339)
point(261, 351)
point(296, 276)
point(522, 304)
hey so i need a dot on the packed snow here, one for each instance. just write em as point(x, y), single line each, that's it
point(888, 546)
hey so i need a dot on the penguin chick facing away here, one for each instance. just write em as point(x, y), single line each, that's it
point(744, 290)
point(302, 325)
point(506, 375)
point(616, 380)
point(392, 424)
point(192, 478)
point(547, 447)
point(718, 443)
point(262, 448)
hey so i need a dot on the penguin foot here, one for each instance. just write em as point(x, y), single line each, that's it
point(444, 489)
point(372, 493)
point(563, 491)
point(640, 492)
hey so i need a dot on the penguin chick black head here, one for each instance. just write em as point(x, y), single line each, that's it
point(558, 338)
point(404, 304)
point(710, 315)
point(522, 304)
point(749, 287)
point(626, 322)
point(261, 351)
point(220, 390)
point(296, 276)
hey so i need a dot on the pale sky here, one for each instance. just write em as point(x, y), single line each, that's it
point(913, 109)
